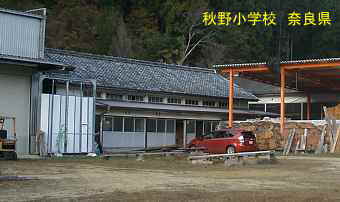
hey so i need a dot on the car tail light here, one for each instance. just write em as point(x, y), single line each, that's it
point(241, 139)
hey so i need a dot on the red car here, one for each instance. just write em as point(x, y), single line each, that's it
point(226, 141)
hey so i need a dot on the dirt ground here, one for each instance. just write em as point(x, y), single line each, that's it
point(171, 179)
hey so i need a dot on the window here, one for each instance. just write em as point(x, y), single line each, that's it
point(244, 104)
point(136, 98)
point(139, 125)
point(248, 135)
point(118, 124)
point(107, 124)
point(209, 135)
point(191, 102)
point(257, 107)
point(222, 104)
point(214, 125)
point(160, 126)
point(129, 124)
point(99, 94)
point(155, 99)
point(170, 126)
point(87, 90)
point(191, 125)
point(219, 134)
point(237, 103)
point(222, 134)
point(174, 101)
point(207, 126)
point(151, 125)
point(209, 103)
point(111, 96)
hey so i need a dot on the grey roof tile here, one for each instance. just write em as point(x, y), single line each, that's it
point(123, 73)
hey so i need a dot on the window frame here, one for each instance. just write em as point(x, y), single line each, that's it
point(136, 98)
point(143, 124)
point(112, 96)
point(114, 125)
point(156, 99)
point(133, 124)
point(173, 98)
point(192, 102)
point(104, 125)
point(207, 103)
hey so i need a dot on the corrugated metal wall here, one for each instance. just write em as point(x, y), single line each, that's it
point(69, 127)
point(21, 35)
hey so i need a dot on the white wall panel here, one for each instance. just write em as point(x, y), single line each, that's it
point(90, 125)
point(71, 124)
point(84, 125)
point(55, 123)
point(79, 121)
point(77, 125)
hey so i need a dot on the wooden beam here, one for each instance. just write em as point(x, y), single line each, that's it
point(309, 106)
point(319, 149)
point(322, 82)
point(282, 100)
point(258, 68)
point(231, 98)
point(234, 154)
point(336, 140)
point(289, 67)
point(328, 76)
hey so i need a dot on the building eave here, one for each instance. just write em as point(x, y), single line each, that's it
point(176, 108)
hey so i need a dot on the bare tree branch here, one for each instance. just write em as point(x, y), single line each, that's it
point(190, 47)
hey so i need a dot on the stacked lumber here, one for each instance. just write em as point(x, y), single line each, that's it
point(269, 137)
point(334, 112)
point(337, 148)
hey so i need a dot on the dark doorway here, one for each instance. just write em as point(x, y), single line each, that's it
point(179, 132)
point(199, 128)
point(97, 125)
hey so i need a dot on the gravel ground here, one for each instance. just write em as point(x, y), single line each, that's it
point(170, 179)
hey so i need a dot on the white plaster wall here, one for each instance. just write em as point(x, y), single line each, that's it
point(276, 99)
point(315, 98)
point(15, 87)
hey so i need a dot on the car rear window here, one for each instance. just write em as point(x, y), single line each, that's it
point(248, 134)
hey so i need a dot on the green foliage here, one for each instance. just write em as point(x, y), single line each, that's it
point(61, 138)
point(158, 29)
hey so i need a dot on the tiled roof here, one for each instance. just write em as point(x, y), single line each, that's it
point(123, 73)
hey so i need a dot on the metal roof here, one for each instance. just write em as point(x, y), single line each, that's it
point(123, 73)
point(307, 61)
point(32, 61)
point(311, 75)
point(21, 13)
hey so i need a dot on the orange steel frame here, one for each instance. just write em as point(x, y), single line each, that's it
point(264, 68)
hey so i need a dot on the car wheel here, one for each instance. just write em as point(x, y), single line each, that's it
point(230, 150)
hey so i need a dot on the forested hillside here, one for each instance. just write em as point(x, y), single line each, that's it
point(159, 30)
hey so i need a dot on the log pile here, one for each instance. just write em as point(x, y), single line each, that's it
point(268, 136)
point(334, 112)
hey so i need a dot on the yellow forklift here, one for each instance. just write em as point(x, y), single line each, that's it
point(7, 144)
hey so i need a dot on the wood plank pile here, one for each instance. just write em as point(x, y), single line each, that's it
point(334, 112)
point(268, 136)
point(331, 116)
